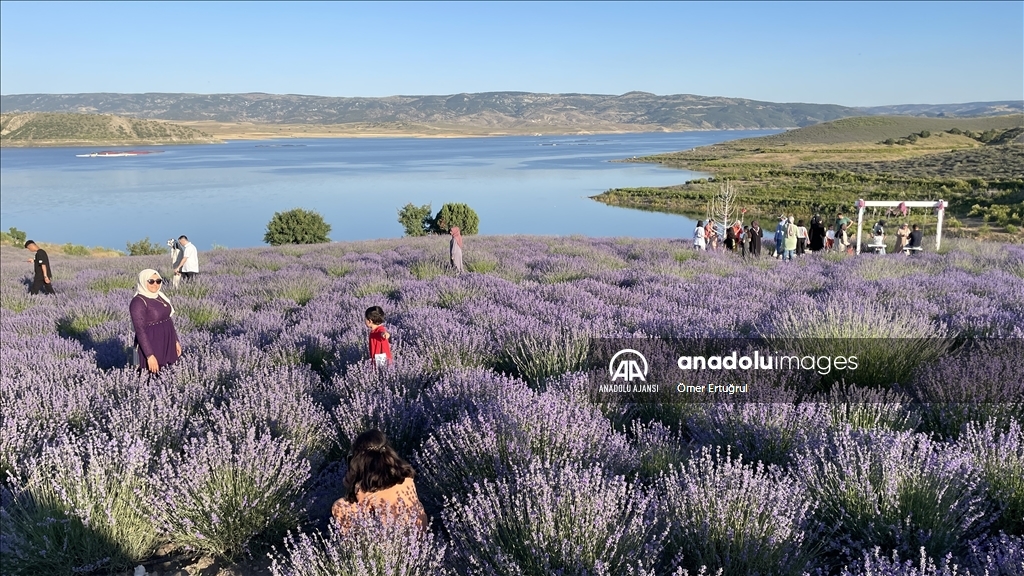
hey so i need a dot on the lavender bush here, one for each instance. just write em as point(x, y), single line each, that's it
point(223, 491)
point(84, 506)
point(736, 517)
point(376, 544)
point(1000, 455)
point(549, 519)
point(896, 491)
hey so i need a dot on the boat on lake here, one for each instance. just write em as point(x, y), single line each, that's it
point(118, 153)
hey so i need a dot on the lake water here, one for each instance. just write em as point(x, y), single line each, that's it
point(225, 194)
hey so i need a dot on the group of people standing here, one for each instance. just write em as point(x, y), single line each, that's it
point(746, 240)
point(792, 238)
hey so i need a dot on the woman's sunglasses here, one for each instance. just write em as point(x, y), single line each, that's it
point(157, 281)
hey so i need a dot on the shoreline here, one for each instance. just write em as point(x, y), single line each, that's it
point(224, 132)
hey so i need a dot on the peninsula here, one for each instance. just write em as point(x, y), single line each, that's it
point(976, 164)
point(68, 129)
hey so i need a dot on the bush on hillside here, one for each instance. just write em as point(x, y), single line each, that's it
point(144, 248)
point(297, 226)
point(75, 250)
point(14, 236)
point(457, 214)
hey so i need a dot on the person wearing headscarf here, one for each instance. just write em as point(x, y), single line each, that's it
point(455, 248)
point(156, 341)
point(789, 239)
point(780, 233)
point(902, 234)
point(817, 234)
point(755, 233)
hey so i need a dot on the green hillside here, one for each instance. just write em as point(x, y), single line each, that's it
point(976, 164)
point(878, 128)
point(42, 129)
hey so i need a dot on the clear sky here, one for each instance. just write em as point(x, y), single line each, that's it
point(856, 54)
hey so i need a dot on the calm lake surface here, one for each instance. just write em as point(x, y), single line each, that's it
point(225, 194)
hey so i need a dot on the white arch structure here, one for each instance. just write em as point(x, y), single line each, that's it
point(938, 205)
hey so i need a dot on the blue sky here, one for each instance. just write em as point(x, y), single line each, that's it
point(857, 54)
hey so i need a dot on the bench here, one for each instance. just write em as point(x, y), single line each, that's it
point(878, 248)
point(908, 250)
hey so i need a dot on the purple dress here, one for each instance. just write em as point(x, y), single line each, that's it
point(154, 330)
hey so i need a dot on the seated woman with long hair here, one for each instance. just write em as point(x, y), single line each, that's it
point(378, 481)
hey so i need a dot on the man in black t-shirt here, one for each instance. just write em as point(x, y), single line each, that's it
point(916, 236)
point(43, 279)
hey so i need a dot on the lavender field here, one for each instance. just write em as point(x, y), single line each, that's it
point(239, 449)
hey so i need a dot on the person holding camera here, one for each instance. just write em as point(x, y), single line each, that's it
point(188, 267)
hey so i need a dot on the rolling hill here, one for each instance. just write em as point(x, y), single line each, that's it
point(68, 129)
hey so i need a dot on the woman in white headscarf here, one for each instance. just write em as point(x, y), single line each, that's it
point(156, 341)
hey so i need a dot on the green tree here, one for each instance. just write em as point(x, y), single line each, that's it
point(416, 219)
point(456, 214)
point(144, 248)
point(925, 133)
point(297, 226)
point(17, 235)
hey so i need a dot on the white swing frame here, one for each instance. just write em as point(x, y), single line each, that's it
point(938, 205)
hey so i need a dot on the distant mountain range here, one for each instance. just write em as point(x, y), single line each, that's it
point(498, 110)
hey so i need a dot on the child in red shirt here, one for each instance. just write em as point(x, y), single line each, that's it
point(380, 348)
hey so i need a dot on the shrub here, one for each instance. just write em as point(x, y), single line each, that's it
point(415, 220)
point(108, 283)
point(924, 133)
point(731, 516)
point(75, 250)
point(83, 508)
point(983, 384)
point(549, 519)
point(865, 329)
point(480, 265)
point(525, 426)
point(224, 492)
point(536, 358)
point(770, 432)
point(868, 409)
point(375, 545)
point(460, 215)
point(14, 237)
point(899, 491)
point(297, 226)
point(1000, 455)
point(145, 248)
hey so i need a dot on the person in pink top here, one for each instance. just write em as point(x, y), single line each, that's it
point(378, 481)
point(455, 248)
